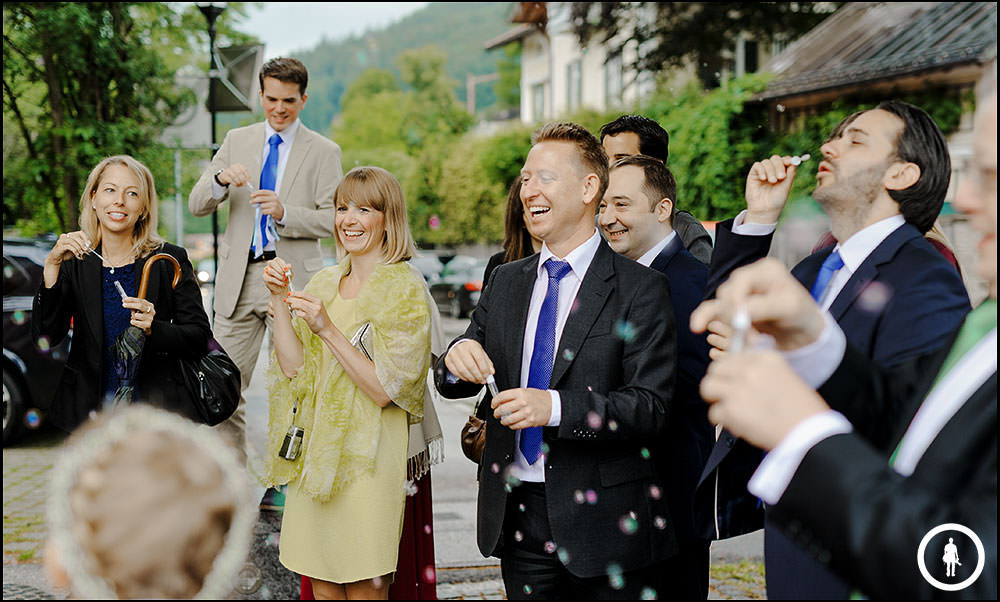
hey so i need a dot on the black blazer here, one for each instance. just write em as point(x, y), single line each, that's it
point(870, 531)
point(614, 369)
point(690, 435)
point(180, 328)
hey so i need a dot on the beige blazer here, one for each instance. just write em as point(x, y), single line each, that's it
point(311, 176)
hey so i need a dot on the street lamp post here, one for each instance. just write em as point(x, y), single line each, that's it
point(212, 10)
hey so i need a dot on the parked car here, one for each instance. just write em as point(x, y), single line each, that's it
point(457, 291)
point(429, 265)
point(31, 369)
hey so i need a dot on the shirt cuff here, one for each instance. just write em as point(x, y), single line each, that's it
point(739, 227)
point(816, 362)
point(779, 466)
point(556, 418)
point(218, 192)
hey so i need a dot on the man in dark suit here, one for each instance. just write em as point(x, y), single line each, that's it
point(635, 218)
point(882, 182)
point(913, 467)
point(584, 352)
point(631, 135)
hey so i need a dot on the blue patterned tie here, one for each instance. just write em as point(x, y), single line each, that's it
point(542, 355)
point(831, 264)
point(265, 232)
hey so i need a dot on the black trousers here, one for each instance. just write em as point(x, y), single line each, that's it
point(534, 568)
point(684, 576)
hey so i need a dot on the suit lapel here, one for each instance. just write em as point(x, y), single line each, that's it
point(869, 269)
point(520, 299)
point(92, 294)
point(296, 157)
point(590, 300)
point(253, 152)
point(663, 258)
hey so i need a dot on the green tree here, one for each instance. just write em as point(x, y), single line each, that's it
point(83, 81)
point(674, 33)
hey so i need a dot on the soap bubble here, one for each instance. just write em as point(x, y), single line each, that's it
point(628, 524)
point(32, 419)
point(625, 330)
point(616, 578)
point(654, 492)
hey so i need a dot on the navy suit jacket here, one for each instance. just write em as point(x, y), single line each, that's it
point(690, 436)
point(904, 300)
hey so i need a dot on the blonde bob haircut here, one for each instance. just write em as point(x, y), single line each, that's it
point(144, 237)
point(374, 187)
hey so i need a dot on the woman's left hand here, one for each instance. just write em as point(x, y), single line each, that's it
point(310, 309)
point(142, 313)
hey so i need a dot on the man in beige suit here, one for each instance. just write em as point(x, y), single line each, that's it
point(279, 178)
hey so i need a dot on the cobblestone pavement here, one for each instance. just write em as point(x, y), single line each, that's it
point(26, 468)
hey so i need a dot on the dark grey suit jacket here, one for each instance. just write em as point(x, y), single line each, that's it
point(615, 368)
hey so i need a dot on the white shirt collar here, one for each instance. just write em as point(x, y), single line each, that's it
point(648, 257)
point(579, 258)
point(856, 249)
point(287, 134)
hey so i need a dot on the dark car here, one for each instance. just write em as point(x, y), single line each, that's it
point(31, 369)
point(457, 290)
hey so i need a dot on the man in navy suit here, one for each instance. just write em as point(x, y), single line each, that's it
point(882, 182)
point(637, 135)
point(636, 218)
point(869, 496)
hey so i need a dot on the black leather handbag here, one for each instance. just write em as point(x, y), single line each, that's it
point(213, 383)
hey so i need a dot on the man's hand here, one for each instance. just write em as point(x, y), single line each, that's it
point(269, 203)
point(776, 303)
point(758, 397)
point(768, 184)
point(468, 361)
point(234, 175)
point(522, 408)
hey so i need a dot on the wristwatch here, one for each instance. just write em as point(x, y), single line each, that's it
point(216, 178)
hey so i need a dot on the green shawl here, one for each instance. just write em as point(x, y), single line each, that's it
point(341, 422)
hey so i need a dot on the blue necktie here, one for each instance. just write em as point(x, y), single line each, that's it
point(542, 355)
point(265, 231)
point(831, 264)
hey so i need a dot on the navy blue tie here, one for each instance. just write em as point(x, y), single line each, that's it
point(542, 354)
point(265, 232)
point(831, 264)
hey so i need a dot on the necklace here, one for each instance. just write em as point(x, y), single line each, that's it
point(110, 265)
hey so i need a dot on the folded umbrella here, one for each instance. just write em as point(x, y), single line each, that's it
point(128, 347)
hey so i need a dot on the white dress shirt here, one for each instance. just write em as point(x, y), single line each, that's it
point(648, 257)
point(854, 251)
point(579, 260)
point(947, 396)
point(284, 150)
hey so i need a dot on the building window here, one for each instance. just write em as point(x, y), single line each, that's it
point(574, 85)
point(538, 102)
point(613, 80)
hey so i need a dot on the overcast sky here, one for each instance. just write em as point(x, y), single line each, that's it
point(289, 26)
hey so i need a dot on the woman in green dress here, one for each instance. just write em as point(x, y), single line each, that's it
point(354, 399)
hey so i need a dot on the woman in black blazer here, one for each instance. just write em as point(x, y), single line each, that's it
point(118, 211)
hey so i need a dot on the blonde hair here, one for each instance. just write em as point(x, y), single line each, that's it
point(377, 188)
point(145, 240)
point(148, 505)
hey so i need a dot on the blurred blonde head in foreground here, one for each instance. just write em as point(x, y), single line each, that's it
point(145, 504)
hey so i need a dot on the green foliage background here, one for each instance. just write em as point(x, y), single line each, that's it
point(404, 115)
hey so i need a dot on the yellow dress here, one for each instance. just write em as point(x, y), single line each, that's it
point(350, 531)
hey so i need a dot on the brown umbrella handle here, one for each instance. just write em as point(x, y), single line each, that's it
point(149, 263)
